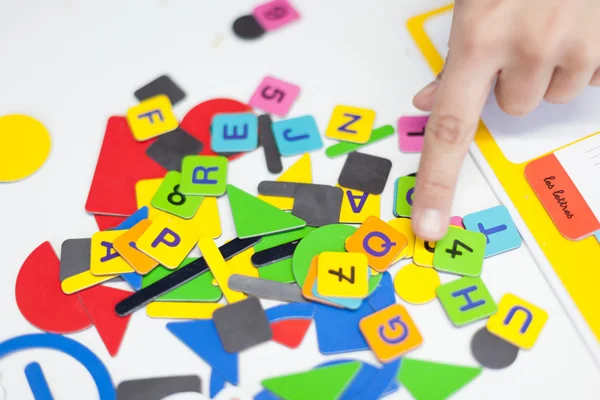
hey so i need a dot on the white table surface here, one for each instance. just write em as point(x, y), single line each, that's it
point(72, 64)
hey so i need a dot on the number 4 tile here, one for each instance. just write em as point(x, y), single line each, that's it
point(460, 252)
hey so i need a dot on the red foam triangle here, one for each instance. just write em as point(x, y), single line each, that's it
point(41, 299)
point(290, 332)
point(100, 302)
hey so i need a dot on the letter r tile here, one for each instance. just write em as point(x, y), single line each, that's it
point(204, 175)
point(466, 300)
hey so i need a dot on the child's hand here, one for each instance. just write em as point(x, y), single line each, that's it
point(538, 49)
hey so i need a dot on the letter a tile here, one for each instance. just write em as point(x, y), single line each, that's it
point(357, 206)
point(168, 242)
point(104, 258)
point(204, 175)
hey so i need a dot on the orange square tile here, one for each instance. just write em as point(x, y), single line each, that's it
point(390, 332)
point(140, 262)
point(379, 241)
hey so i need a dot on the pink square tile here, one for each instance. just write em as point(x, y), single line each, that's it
point(274, 96)
point(275, 14)
point(411, 133)
point(457, 221)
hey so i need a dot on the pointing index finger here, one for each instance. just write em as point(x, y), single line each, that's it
point(459, 100)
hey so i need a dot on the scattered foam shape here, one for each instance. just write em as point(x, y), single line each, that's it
point(133, 279)
point(217, 383)
point(158, 388)
point(290, 332)
point(491, 351)
point(37, 382)
point(123, 157)
point(106, 222)
point(362, 381)
point(331, 322)
point(202, 338)
point(254, 217)
point(381, 382)
point(100, 302)
point(326, 383)
point(40, 298)
point(79, 352)
point(291, 311)
point(384, 296)
point(415, 284)
point(299, 172)
point(266, 395)
point(247, 27)
point(24, 147)
point(346, 147)
point(426, 380)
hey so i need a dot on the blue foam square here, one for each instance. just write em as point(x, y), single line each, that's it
point(498, 227)
point(338, 331)
point(385, 294)
point(232, 133)
point(297, 136)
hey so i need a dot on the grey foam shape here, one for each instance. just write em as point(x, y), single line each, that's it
point(492, 352)
point(158, 388)
point(278, 189)
point(318, 205)
point(74, 257)
point(266, 289)
point(242, 325)
point(169, 149)
point(365, 172)
point(267, 139)
point(161, 85)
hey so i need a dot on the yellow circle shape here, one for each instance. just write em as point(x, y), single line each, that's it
point(24, 147)
point(415, 284)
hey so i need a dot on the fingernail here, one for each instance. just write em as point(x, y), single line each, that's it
point(429, 89)
point(429, 222)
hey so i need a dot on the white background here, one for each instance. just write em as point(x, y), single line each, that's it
point(73, 64)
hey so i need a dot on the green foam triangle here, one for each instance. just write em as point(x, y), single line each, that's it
point(255, 217)
point(426, 380)
point(326, 383)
